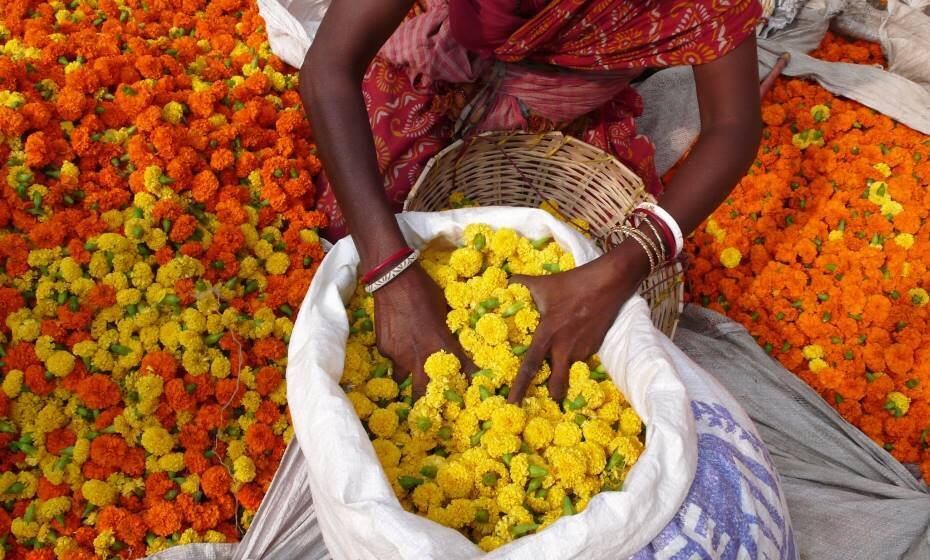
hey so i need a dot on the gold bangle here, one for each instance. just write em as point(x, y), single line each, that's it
point(663, 255)
point(649, 254)
point(645, 238)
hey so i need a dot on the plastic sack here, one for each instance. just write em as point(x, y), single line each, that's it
point(704, 484)
point(291, 26)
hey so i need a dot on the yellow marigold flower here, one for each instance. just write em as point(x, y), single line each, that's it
point(277, 263)
point(13, 383)
point(599, 432)
point(191, 484)
point(504, 243)
point(457, 295)
point(363, 407)
point(157, 441)
point(23, 529)
point(538, 432)
point(509, 418)
point(488, 406)
point(381, 389)
point(492, 328)
point(244, 469)
point(498, 443)
point(812, 351)
point(630, 423)
point(457, 319)
point(898, 403)
point(172, 112)
point(60, 363)
point(490, 542)
point(817, 364)
point(220, 367)
point(568, 464)
point(470, 236)
point(63, 545)
point(172, 462)
point(454, 479)
point(427, 495)
point(526, 320)
point(388, 453)
point(441, 365)
point(466, 261)
point(820, 113)
point(510, 498)
point(918, 296)
point(567, 434)
point(730, 257)
point(98, 492)
point(48, 509)
point(383, 422)
point(905, 240)
point(883, 168)
point(891, 207)
point(595, 458)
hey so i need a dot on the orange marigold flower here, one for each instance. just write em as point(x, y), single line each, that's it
point(98, 391)
point(215, 481)
point(162, 518)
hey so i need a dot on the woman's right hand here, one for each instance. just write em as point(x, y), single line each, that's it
point(410, 324)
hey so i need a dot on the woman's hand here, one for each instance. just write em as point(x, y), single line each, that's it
point(576, 309)
point(410, 324)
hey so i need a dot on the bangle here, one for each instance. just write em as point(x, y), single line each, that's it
point(661, 246)
point(393, 273)
point(665, 236)
point(670, 222)
point(641, 238)
point(380, 268)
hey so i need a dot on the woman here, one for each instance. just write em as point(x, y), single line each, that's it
point(538, 64)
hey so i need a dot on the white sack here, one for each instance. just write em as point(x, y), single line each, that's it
point(358, 512)
point(291, 26)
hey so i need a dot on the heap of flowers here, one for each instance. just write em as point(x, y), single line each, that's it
point(821, 252)
point(461, 455)
point(154, 247)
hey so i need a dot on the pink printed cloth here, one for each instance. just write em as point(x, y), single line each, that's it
point(530, 65)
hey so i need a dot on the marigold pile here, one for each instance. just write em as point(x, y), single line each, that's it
point(461, 455)
point(821, 251)
point(155, 170)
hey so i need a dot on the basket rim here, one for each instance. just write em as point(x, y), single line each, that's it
point(563, 139)
point(557, 134)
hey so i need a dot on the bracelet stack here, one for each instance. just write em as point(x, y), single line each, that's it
point(668, 240)
point(380, 275)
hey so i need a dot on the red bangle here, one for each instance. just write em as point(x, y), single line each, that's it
point(663, 227)
point(379, 269)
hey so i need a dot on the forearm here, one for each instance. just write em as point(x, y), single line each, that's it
point(343, 135)
point(715, 165)
point(331, 91)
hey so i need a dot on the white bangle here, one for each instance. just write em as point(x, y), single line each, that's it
point(393, 273)
point(670, 222)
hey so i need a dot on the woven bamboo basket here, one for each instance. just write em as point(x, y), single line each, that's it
point(583, 182)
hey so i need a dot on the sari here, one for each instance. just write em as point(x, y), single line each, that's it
point(530, 65)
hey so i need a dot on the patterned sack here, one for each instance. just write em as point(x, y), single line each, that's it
point(704, 487)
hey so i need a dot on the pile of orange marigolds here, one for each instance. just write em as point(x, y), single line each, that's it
point(154, 246)
point(155, 243)
point(821, 252)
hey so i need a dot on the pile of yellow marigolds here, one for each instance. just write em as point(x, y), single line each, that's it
point(821, 252)
point(461, 455)
point(155, 167)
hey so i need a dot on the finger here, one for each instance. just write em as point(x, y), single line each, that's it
point(531, 362)
point(420, 380)
point(558, 380)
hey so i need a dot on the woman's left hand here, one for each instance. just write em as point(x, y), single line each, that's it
point(576, 309)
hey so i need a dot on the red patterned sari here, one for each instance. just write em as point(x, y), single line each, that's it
point(556, 64)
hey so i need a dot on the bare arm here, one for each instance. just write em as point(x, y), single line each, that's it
point(574, 321)
point(410, 312)
point(331, 89)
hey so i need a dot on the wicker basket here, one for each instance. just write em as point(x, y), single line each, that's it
point(502, 169)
